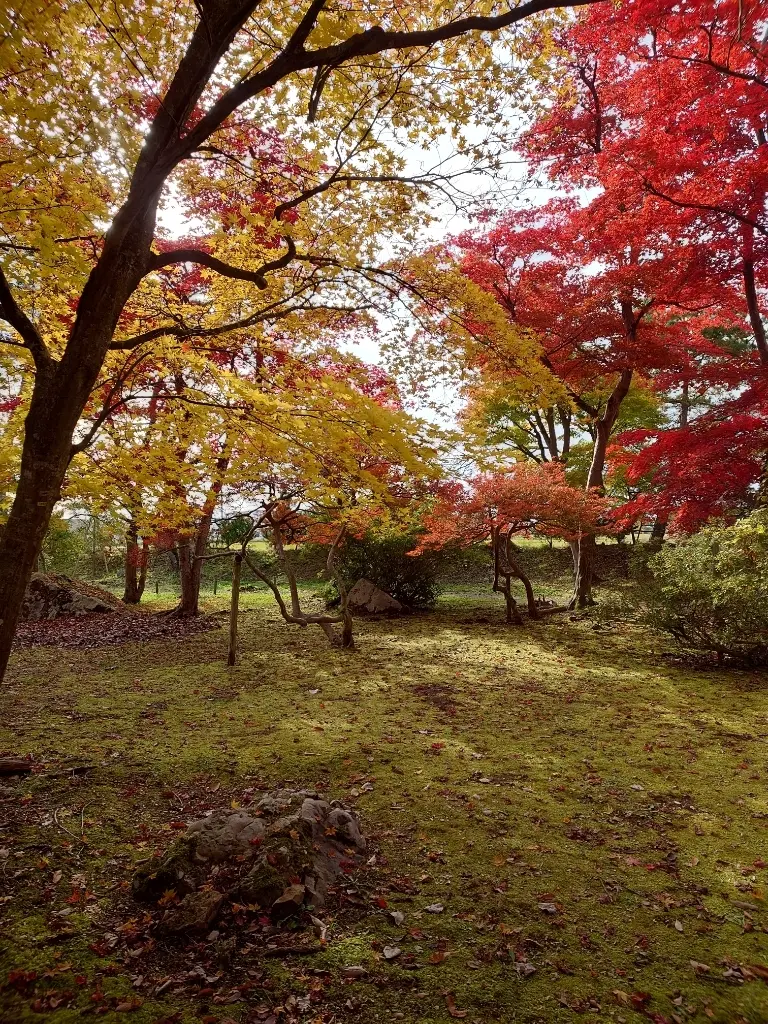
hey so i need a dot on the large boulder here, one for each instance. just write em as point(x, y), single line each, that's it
point(288, 852)
point(365, 598)
point(53, 596)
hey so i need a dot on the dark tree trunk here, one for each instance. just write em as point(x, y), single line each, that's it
point(751, 292)
point(49, 426)
point(190, 571)
point(513, 616)
point(658, 532)
point(191, 550)
point(584, 550)
point(136, 558)
point(530, 597)
point(520, 573)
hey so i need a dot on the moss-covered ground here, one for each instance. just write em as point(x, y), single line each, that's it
point(589, 814)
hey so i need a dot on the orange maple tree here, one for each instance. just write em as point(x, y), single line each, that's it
point(496, 507)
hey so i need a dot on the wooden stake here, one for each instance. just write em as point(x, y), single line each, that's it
point(233, 610)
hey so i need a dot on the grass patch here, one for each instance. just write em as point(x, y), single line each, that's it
point(577, 805)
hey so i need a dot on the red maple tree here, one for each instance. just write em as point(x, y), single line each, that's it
point(496, 507)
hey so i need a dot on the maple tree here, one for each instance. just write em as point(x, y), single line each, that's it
point(605, 314)
point(529, 499)
point(630, 279)
point(662, 107)
point(296, 426)
point(105, 112)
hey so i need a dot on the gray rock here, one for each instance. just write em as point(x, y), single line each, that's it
point(366, 598)
point(347, 828)
point(289, 902)
point(196, 912)
point(293, 835)
point(225, 834)
point(274, 803)
point(53, 596)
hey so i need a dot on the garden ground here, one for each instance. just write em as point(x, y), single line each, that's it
point(589, 813)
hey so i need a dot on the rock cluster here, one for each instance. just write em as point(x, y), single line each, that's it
point(282, 856)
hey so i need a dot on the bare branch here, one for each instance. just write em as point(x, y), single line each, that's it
point(184, 332)
point(683, 204)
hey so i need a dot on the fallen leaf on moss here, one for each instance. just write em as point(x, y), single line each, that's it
point(450, 1003)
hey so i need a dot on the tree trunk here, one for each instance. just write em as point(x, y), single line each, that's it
point(233, 610)
point(45, 456)
point(585, 549)
point(513, 616)
point(533, 611)
point(517, 569)
point(143, 568)
point(131, 576)
point(190, 552)
point(136, 559)
point(190, 570)
point(21, 543)
point(584, 552)
point(751, 292)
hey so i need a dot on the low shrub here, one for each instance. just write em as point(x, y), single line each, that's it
point(385, 561)
point(710, 592)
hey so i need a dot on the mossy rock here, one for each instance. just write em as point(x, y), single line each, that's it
point(262, 885)
point(176, 870)
point(262, 855)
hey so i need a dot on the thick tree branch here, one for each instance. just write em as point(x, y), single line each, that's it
point(753, 303)
point(13, 314)
point(204, 259)
point(363, 44)
point(304, 28)
point(578, 400)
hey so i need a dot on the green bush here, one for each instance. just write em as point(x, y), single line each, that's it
point(66, 548)
point(710, 592)
point(385, 561)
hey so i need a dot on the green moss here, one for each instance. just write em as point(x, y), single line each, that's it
point(347, 951)
point(559, 763)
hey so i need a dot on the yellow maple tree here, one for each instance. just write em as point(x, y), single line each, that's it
point(105, 111)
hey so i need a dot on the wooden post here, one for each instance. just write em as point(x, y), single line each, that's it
point(233, 610)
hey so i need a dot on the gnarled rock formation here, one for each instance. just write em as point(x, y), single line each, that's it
point(53, 596)
point(285, 854)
